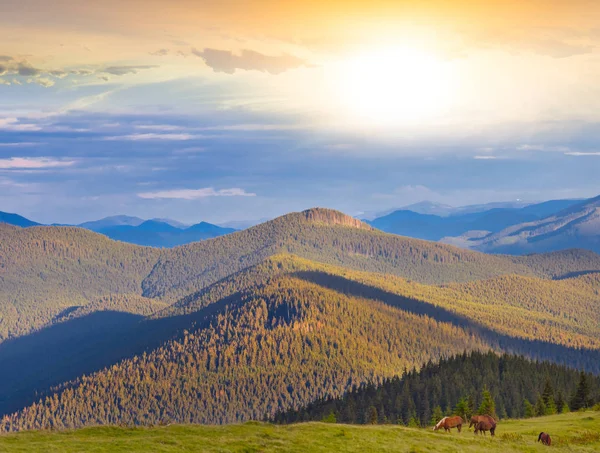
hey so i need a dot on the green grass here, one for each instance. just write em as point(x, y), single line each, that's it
point(575, 432)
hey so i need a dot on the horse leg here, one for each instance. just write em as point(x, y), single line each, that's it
point(459, 427)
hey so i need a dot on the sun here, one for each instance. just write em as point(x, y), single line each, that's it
point(393, 86)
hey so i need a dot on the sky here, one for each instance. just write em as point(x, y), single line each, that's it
point(224, 110)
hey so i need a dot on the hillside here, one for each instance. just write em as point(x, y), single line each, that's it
point(575, 227)
point(415, 395)
point(45, 270)
point(574, 432)
point(80, 309)
point(288, 331)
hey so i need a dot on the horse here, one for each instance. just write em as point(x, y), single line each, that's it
point(544, 438)
point(484, 426)
point(481, 418)
point(450, 422)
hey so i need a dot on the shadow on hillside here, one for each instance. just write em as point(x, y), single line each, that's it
point(576, 274)
point(587, 359)
point(31, 365)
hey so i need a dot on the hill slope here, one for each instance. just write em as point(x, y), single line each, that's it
point(415, 394)
point(288, 331)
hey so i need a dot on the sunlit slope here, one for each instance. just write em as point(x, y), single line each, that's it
point(47, 270)
point(288, 331)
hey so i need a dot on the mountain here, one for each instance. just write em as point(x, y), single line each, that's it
point(577, 226)
point(113, 221)
point(303, 307)
point(155, 233)
point(414, 395)
point(172, 222)
point(16, 220)
point(459, 221)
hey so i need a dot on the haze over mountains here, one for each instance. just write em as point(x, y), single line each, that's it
point(263, 320)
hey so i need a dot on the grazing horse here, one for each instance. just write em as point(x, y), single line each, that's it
point(450, 422)
point(544, 438)
point(484, 426)
point(481, 418)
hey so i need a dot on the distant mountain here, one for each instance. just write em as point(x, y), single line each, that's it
point(154, 233)
point(113, 221)
point(435, 227)
point(174, 223)
point(577, 226)
point(16, 220)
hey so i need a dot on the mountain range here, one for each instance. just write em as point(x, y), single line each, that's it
point(245, 325)
point(153, 233)
point(536, 228)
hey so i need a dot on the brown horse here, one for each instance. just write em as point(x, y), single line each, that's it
point(481, 418)
point(544, 438)
point(450, 422)
point(484, 426)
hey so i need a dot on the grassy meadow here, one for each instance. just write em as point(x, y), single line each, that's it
point(573, 432)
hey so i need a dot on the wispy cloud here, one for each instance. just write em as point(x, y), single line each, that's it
point(124, 70)
point(194, 194)
point(485, 157)
point(33, 162)
point(582, 153)
point(19, 144)
point(538, 147)
point(151, 136)
point(249, 60)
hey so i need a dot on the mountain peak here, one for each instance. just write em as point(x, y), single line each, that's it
point(333, 217)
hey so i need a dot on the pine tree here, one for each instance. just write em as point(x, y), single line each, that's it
point(371, 416)
point(540, 407)
point(437, 415)
point(548, 398)
point(330, 418)
point(487, 406)
point(560, 401)
point(529, 409)
point(413, 422)
point(462, 409)
point(581, 398)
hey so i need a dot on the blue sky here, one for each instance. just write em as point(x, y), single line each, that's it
point(219, 122)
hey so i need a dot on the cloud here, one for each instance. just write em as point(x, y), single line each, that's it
point(160, 52)
point(581, 153)
point(125, 70)
point(485, 157)
point(5, 58)
point(33, 162)
point(249, 60)
point(13, 124)
point(26, 70)
point(4, 82)
point(527, 147)
point(19, 144)
point(42, 81)
point(194, 194)
point(152, 136)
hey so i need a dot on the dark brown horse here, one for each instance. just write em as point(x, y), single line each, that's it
point(481, 418)
point(484, 426)
point(450, 422)
point(544, 438)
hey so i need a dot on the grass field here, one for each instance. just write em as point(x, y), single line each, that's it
point(575, 432)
